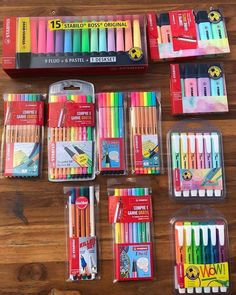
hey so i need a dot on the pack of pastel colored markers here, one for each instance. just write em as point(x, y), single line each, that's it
point(23, 134)
point(200, 247)
point(198, 88)
point(196, 162)
point(187, 33)
point(145, 130)
point(75, 44)
point(82, 232)
point(71, 131)
point(130, 214)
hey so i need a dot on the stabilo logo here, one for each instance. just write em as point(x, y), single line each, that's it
point(81, 203)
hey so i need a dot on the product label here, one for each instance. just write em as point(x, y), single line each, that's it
point(205, 104)
point(130, 209)
point(146, 151)
point(111, 154)
point(22, 159)
point(9, 43)
point(183, 28)
point(67, 154)
point(197, 179)
point(58, 24)
point(71, 114)
point(23, 113)
point(206, 275)
point(134, 262)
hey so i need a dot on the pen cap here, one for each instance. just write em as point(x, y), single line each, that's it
point(190, 71)
point(164, 19)
point(157, 21)
point(202, 17)
point(202, 71)
point(182, 71)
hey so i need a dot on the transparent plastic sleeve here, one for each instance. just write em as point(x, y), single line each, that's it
point(82, 232)
point(200, 251)
point(71, 131)
point(23, 134)
point(130, 213)
point(196, 162)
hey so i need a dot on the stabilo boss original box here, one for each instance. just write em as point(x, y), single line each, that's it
point(187, 33)
point(46, 45)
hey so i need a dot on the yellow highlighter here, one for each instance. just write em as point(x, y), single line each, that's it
point(23, 47)
point(184, 158)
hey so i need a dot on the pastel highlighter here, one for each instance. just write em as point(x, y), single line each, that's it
point(42, 36)
point(68, 41)
point(203, 81)
point(190, 82)
point(76, 41)
point(119, 37)
point(204, 25)
point(102, 40)
point(128, 36)
point(34, 35)
point(59, 47)
point(218, 29)
point(165, 28)
point(136, 33)
point(158, 31)
point(94, 40)
point(217, 85)
point(50, 41)
point(111, 45)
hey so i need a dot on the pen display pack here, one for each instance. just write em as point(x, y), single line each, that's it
point(75, 44)
point(186, 33)
point(111, 132)
point(201, 258)
point(130, 213)
point(196, 165)
point(71, 132)
point(145, 119)
point(82, 244)
point(22, 137)
point(198, 88)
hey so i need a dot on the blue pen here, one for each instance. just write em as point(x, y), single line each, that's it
point(68, 42)
point(217, 25)
point(204, 25)
point(154, 101)
point(217, 82)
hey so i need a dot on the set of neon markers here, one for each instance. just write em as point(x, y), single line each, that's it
point(186, 33)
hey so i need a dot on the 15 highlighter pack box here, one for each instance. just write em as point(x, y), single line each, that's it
point(200, 251)
point(74, 44)
point(187, 33)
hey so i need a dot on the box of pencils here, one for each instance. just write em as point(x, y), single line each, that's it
point(145, 130)
point(23, 133)
point(198, 88)
point(187, 33)
point(111, 107)
point(196, 163)
point(82, 243)
point(75, 44)
point(201, 256)
point(130, 213)
point(71, 131)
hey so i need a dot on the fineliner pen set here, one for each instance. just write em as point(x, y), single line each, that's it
point(201, 258)
point(22, 138)
point(145, 119)
point(82, 243)
point(71, 131)
point(130, 213)
point(82, 44)
point(198, 88)
point(196, 164)
point(185, 33)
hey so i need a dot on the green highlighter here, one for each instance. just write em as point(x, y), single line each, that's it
point(197, 247)
point(76, 41)
point(85, 41)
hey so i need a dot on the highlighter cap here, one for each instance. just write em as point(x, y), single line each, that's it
point(157, 21)
point(190, 71)
point(202, 17)
point(164, 19)
point(182, 71)
point(202, 71)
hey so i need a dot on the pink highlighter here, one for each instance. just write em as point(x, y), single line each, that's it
point(42, 36)
point(34, 34)
point(50, 41)
point(190, 81)
point(165, 28)
point(203, 81)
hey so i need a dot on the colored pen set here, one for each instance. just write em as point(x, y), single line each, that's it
point(201, 255)
point(196, 164)
point(198, 88)
point(83, 44)
point(185, 33)
point(145, 113)
point(82, 246)
point(71, 134)
point(22, 138)
point(111, 132)
point(130, 212)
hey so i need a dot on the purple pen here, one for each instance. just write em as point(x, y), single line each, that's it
point(59, 42)
point(203, 81)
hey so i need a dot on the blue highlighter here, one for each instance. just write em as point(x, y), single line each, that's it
point(68, 42)
point(217, 83)
point(217, 25)
point(204, 25)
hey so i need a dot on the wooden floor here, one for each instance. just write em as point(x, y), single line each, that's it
point(32, 237)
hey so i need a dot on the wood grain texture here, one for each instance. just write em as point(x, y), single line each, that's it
point(32, 233)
